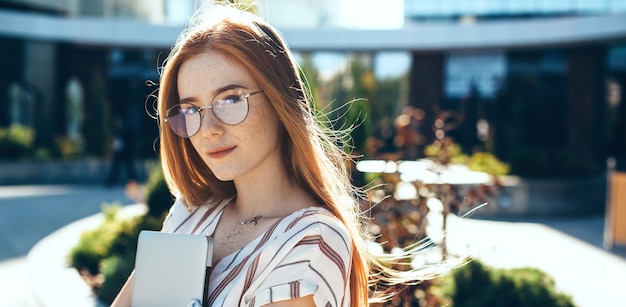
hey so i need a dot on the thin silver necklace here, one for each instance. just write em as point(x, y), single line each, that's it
point(254, 220)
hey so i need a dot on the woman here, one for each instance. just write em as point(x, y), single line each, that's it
point(251, 166)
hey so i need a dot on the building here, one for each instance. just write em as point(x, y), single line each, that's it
point(538, 82)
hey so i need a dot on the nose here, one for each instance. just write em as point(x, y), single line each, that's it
point(209, 124)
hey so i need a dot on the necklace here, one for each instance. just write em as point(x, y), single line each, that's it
point(254, 220)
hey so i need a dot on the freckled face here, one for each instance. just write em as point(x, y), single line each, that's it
point(249, 149)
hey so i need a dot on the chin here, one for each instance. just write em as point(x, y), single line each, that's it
point(225, 180)
point(223, 176)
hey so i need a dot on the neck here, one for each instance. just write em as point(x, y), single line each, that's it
point(271, 196)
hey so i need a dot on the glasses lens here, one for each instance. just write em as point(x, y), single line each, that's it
point(231, 107)
point(184, 119)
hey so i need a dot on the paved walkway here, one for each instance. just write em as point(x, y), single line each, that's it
point(30, 213)
point(570, 250)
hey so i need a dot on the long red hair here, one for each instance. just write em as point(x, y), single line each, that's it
point(311, 156)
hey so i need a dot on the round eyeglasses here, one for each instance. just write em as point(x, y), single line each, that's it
point(229, 107)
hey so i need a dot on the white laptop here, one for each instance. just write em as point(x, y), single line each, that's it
point(171, 269)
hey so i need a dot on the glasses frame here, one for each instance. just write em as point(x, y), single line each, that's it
point(211, 106)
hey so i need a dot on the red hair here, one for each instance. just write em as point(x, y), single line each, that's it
point(312, 158)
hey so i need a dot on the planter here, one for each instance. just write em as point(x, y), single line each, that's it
point(59, 172)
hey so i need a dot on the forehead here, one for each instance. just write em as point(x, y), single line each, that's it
point(210, 71)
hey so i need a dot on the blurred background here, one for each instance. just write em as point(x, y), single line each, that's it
point(528, 91)
point(536, 83)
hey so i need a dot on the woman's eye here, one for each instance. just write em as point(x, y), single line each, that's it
point(231, 99)
point(190, 110)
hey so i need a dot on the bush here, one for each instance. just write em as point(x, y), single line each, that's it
point(69, 148)
point(120, 256)
point(125, 243)
point(487, 163)
point(115, 271)
point(476, 284)
point(93, 245)
point(158, 197)
point(110, 249)
point(446, 151)
point(16, 142)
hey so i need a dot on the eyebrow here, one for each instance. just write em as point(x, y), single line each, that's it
point(215, 93)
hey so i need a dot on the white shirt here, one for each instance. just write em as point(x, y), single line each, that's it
point(307, 252)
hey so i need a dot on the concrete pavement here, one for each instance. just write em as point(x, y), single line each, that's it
point(569, 249)
point(29, 214)
point(48, 258)
point(15, 284)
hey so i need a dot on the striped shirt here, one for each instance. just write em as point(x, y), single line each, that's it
point(307, 252)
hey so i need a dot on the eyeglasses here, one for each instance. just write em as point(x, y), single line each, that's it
point(229, 107)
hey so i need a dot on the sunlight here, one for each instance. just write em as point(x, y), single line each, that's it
point(371, 14)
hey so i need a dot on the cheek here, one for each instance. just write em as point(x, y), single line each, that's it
point(260, 134)
point(269, 127)
point(262, 121)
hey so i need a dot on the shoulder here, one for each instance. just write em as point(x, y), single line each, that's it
point(177, 214)
point(317, 220)
point(181, 213)
point(319, 228)
point(311, 257)
point(177, 210)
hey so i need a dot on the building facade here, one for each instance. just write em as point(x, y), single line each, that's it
point(537, 82)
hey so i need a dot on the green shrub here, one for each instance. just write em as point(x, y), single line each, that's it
point(115, 271)
point(16, 142)
point(120, 259)
point(110, 249)
point(476, 284)
point(120, 254)
point(93, 245)
point(69, 148)
point(158, 197)
point(86, 254)
point(488, 163)
point(125, 243)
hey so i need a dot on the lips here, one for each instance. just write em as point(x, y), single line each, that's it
point(220, 152)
